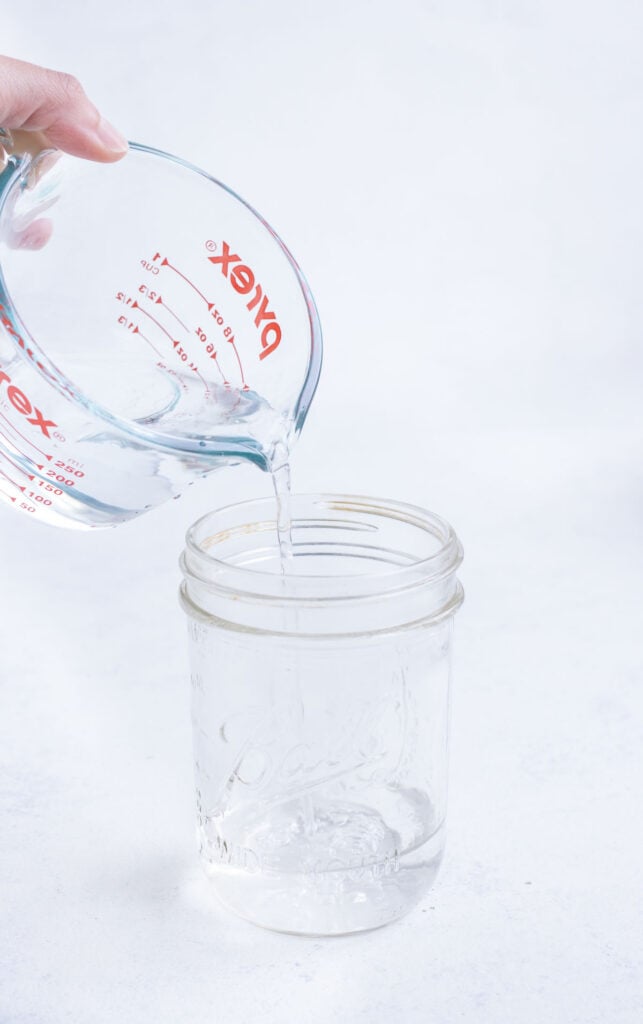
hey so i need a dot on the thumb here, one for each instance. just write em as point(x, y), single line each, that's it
point(55, 104)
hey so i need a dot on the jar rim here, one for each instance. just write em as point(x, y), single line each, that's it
point(257, 584)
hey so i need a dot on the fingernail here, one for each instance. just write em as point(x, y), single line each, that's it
point(111, 138)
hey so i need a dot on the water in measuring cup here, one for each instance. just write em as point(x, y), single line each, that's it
point(95, 476)
point(168, 381)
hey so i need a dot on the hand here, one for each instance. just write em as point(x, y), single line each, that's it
point(43, 108)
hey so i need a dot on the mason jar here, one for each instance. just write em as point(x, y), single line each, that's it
point(320, 706)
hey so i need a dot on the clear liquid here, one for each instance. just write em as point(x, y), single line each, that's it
point(357, 870)
point(314, 856)
point(318, 858)
point(89, 474)
point(281, 481)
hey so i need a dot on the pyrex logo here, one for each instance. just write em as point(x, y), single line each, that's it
point(20, 402)
point(242, 279)
point(17, 397)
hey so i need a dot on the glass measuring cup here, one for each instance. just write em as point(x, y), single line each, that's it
point(153, 328)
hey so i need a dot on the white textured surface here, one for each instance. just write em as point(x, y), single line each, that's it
point(462, 187)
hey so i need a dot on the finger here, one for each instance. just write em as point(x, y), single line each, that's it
point(47, 101)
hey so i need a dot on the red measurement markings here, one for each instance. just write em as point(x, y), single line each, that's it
point(12, 441)
point(40, 499)
point(243, 379)
point(12, 482)
point(176, 344)
point(154, 297)
point(213, 357)
point(135, 305)
point(166, 263)
point(190, 364)
point(179, 380)
point(20, 434)
point(137, 330)
point(161, 301)
point(205, 383)
point(218, 366)
point(229, 337)
point(211, 351)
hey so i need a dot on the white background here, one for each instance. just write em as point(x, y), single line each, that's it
point(461, 183)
